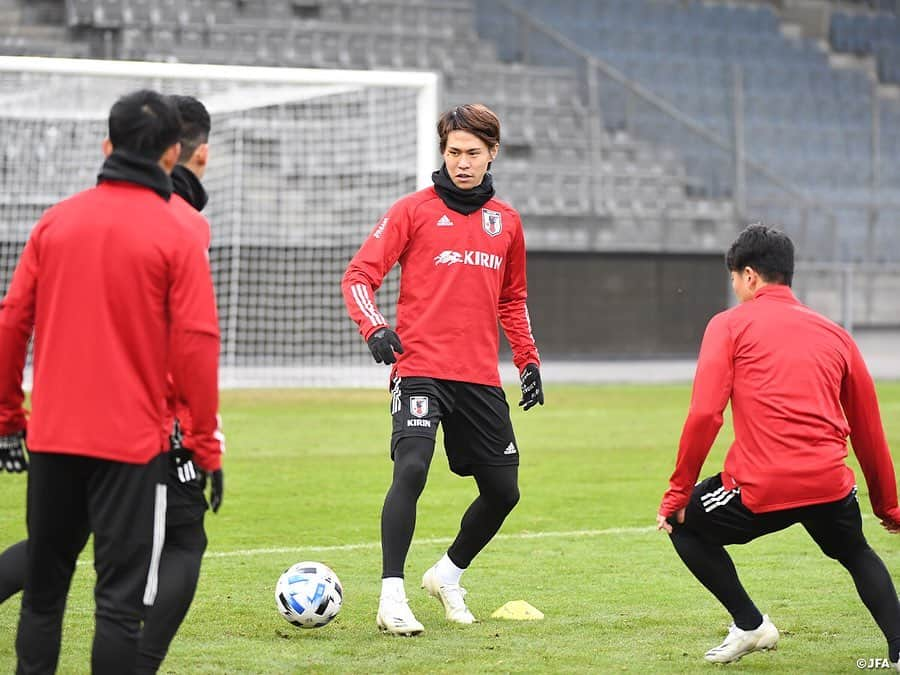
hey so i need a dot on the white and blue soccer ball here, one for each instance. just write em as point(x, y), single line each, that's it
point(309, 594)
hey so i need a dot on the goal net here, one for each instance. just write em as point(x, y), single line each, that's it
point(303, 162)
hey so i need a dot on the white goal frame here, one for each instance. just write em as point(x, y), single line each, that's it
point(426, 82)
point(426, 86)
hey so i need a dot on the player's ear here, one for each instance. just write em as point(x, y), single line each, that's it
point(494, 150)
point(107, 147)
point(170, 157)
point(201, 155)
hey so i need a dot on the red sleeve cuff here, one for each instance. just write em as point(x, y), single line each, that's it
point(371, 330)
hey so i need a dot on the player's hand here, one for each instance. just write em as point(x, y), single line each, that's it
point(216, 489)
point(891, 520)
point(383, 343)
point(663, 523)
point(532, 389)
point(12, 453)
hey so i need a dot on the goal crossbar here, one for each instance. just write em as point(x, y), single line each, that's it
point(426, 82)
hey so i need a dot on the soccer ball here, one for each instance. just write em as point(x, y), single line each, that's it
point(308, 594)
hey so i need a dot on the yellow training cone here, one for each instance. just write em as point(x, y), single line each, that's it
point(518, 610)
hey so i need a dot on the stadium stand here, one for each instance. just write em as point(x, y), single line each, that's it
point(34, 29)
point(643, 166)
point(876, 35)
point(546, 118)
point(807, 121)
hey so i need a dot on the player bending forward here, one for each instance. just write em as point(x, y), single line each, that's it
point(798, 387)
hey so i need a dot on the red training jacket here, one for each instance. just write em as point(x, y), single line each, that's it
point(798, 386)
point(459, 274)
point(177, 406)
point(118, 292)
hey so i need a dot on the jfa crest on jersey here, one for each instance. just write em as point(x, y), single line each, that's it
point(418, 406)
point(491, 222)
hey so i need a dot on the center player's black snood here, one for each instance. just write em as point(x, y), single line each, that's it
point(462, 201)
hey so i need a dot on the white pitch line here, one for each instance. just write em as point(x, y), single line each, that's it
point(432, 540)
point(243, 553)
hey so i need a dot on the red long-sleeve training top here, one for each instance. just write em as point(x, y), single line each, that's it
point(118, 291)
point(459, 275)
point(798, 386)
point(177, 406)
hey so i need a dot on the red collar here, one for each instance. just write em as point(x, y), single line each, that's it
point(776, 292)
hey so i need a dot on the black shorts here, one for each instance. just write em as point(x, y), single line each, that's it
point(474, 417)
point(719, 516)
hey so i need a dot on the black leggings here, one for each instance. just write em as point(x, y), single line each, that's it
point(836, 528)
point(498, 494)
point(179, 571)
point(13, 563)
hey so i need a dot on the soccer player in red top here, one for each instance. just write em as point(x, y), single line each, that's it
point(116, 288)
point(462, 256)
point(185, 540)
point(798, 387)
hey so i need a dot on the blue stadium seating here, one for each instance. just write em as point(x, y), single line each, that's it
point(806, 121)
point(803, 119)
point(876, 35)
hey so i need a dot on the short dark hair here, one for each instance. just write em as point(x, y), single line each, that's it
point(144, 122)
point(475, 118)
point(765, 249)
point(195, 124)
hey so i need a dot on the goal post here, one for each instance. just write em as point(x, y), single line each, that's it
point(303, 162)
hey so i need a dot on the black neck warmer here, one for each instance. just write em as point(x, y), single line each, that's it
point(462, 201)
point(126, 166)
point(187, 186)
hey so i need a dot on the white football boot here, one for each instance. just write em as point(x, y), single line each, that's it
point(451, 596)
point(395, 616)
point(739, 642)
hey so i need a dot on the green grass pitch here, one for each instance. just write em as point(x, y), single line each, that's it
point(306, 472)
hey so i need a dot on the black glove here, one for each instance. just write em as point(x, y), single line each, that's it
point(383, 343)
point(216, 489)
point(12, 453)
point(532, 390)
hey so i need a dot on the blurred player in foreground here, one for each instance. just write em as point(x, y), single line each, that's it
point(185, 540)
point(179, 566)
point(92, 477)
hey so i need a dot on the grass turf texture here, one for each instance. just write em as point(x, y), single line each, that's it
point(306, 473)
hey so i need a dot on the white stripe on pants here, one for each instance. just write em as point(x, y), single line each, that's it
point(159, 539)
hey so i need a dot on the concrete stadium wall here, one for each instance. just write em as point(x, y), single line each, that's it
point(617, 305)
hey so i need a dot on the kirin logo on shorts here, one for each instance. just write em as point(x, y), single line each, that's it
point(418, 406)
point(491, 222)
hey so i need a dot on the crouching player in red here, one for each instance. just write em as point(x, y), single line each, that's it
point(798, 387)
